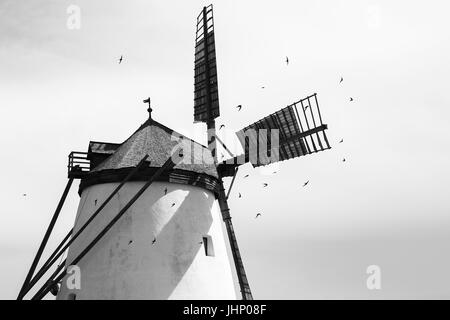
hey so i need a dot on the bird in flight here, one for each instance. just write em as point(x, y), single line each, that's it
point(120, 60)
point(154, 240)
point(274, 172)
point(257, 215)
point(239, 107)
point(173, 204)
point(246, 176)
point(342, 79)
point(287, 60)
point(307, 107)
point(263, 87)
point(343, 160)
point(24, 195)
point(95, 201)
point(351, 99)
point(165, 191)
point(240, 195)
point(306, 183)
point(130, 242)
point(342, 140)
point(265, 184)
point(222, 126)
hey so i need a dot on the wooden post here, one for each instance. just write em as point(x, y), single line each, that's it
point(168, 165)
point(45, 239)
point(242, 277)
point(52, 259)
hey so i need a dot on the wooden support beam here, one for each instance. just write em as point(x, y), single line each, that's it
point(45, 239)
point(54, 257)
point(168, 165)
point(240, 271)
point(232, 182)
point(307, 133)
point(224, 146)
point(58, 247)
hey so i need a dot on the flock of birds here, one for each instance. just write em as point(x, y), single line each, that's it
point(264, 185)
point(239, 108)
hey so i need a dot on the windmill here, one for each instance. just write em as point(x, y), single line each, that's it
point(145, 211)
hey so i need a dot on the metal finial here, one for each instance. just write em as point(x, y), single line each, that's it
point(149, 108)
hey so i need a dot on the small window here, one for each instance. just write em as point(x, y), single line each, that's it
point(208, 245)
point(72, 296)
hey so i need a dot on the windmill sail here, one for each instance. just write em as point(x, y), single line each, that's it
point(285, 134)
point(206, 96)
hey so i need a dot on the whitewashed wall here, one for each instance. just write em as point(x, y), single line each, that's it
point(125, 264)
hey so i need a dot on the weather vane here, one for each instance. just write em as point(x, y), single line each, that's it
point(149, 108)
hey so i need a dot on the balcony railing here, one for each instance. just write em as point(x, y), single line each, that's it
point(78, 165)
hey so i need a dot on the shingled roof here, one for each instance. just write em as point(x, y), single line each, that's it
point(157, 141)
point(97, 147)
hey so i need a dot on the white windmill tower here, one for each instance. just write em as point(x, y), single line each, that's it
point(170, 243)
point(148, 224)
point(167, 244)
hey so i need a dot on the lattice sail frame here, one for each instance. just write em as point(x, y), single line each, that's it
point(206, 94)
point(299, 133)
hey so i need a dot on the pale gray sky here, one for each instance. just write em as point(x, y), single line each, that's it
point(387, 205)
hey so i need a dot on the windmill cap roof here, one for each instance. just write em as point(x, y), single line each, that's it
point(159, 142)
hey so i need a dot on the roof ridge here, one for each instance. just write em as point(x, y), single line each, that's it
point(165, 128)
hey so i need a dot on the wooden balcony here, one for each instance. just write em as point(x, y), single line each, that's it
point(79, 165)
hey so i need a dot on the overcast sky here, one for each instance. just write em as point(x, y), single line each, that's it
point(387, 205)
